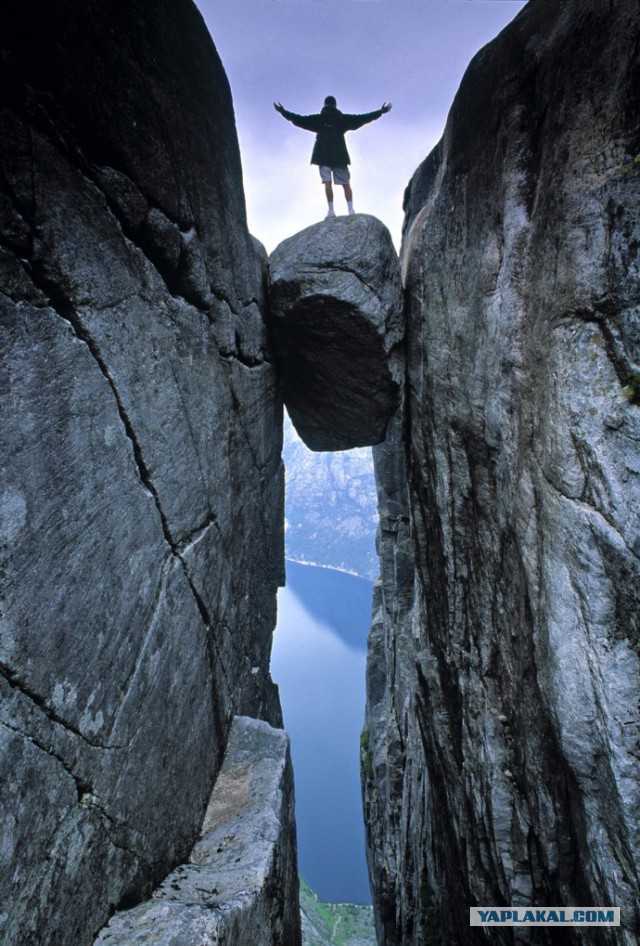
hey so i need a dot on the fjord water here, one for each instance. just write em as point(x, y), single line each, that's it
point(318, 661)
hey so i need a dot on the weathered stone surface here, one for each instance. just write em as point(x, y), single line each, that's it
point(240, 884)
point(336, 317)
point(391, 763)
point(141, 480)
point(503, 760)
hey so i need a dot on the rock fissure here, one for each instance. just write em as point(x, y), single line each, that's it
point(67, 313)
point(625, 368)
point(581, 503)
point(187, 544)
point(63, 307)
point(14, 681)
point(83, 787)
point(200, 602)
point(91, 802)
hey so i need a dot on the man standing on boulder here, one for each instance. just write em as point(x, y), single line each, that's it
point(330, 151)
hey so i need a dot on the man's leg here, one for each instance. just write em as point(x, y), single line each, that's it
point(325, 177)
point(328, 189)
point(348, 193)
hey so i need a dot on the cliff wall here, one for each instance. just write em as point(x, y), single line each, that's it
point(501, 753)
point(141, 499)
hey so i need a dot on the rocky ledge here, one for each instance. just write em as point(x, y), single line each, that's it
point(240, 884)
point(336, 317)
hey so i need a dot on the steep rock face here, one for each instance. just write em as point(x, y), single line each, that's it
point(141, 497)
point(336, 315)
point(502, 754)
point(391, 762)
point(237, 886)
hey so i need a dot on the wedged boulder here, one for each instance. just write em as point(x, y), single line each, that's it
point(336, 318)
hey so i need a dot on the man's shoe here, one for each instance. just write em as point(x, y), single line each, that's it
point(331, 213)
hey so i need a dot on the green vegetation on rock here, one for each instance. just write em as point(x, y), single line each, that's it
point(334, 924)
point(631, 390)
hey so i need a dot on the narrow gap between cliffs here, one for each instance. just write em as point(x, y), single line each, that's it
point(319, 659)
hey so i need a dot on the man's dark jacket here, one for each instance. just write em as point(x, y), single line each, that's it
point(330, 127)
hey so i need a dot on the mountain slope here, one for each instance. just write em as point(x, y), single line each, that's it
point(334, 924)
point(331, 510)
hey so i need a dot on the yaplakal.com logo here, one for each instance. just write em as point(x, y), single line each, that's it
point(544, 916)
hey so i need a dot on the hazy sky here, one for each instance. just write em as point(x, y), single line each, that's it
point(412, 53)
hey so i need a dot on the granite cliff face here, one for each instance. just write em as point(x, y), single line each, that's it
point(141, 501)
point(501, 759)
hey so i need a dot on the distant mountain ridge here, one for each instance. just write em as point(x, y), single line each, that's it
point(330, 507)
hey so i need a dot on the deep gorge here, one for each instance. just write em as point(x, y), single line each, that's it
point(141, 500)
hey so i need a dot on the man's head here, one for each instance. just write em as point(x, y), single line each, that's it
point(330, 100)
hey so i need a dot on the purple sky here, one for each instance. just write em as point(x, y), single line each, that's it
point(412, 53)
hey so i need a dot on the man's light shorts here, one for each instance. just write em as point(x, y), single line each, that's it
point(340, 175)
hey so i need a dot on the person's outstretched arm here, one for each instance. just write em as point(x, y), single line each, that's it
point(357, 121)
point(308, 122)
